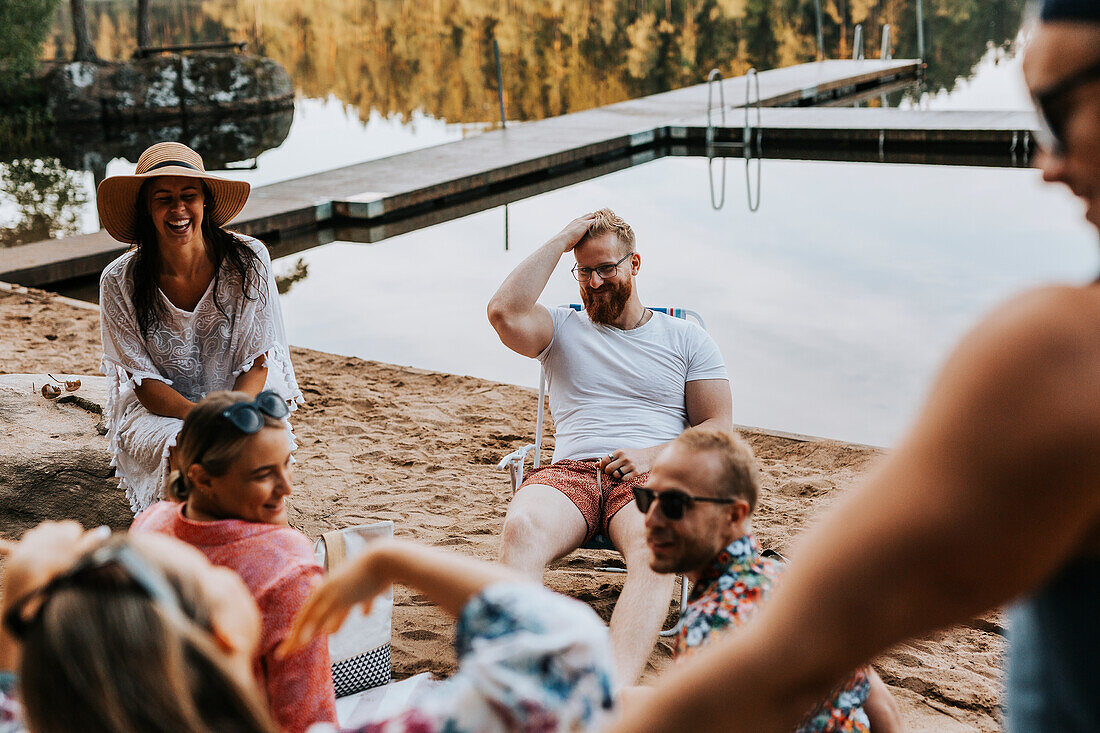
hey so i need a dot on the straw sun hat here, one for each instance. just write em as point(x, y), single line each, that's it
point(116, 197)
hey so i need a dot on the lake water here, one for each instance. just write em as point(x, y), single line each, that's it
point(376, 78)
point(833, 303)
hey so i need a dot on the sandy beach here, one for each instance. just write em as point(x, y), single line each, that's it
point(379, 441)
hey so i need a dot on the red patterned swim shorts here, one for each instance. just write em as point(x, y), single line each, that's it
point(577, 480)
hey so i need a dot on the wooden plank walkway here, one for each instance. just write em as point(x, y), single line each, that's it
point(484, 164)
point(830, 125)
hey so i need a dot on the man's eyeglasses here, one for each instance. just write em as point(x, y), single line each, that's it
point(584, 274)
point(94, 570)
point(673, 503)
point(247, 417)
point(1054, 108)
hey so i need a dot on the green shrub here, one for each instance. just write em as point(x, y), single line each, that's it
point(24, 25)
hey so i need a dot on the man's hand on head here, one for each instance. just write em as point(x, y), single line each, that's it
point(574, 232)
point(629, 462)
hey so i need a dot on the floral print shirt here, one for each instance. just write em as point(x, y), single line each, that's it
point(528, 660)
point(727, 594)
point(11, 714)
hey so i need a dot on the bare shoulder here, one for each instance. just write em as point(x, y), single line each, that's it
point(1027, 378)
point(1041, 338)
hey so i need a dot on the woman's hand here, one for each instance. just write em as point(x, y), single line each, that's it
point(45, 552)
point(447, 579)
point(358, 582)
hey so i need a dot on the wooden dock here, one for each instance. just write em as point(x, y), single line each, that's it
point(829, 126)
point(519, 157)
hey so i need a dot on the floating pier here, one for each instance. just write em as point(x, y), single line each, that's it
point(507, 164)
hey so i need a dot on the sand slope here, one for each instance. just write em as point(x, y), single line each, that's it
point(379, 441)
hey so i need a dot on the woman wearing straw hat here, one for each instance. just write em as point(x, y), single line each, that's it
point(191, 308)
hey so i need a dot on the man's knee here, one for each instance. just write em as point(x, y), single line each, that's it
point(520, 528)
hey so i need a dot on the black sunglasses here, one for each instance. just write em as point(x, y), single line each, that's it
point(673, 503)
point(247, 417)
point(91, 571)
point(1053, 110)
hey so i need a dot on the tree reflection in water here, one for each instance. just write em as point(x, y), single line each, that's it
point(299, 271)
point(45, 200)
point(42, 189)
point(435, 56)
point(397, 58)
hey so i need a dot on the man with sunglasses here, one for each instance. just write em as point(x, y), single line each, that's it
point(698, 504)
point(623, 381)
point(993, 497)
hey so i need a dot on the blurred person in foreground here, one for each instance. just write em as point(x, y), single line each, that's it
point(698, 505)
point(992, 498)
point(140, 632)
point(623, 381)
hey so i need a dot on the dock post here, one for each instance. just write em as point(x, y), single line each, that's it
point(820, 33)
point(885, 53)
point(920, 30)
point(857, 43)
point(500, 85)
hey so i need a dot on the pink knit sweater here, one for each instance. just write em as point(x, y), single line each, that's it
point(278, 566)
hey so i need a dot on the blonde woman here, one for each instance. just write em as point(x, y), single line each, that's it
point(228, 499)
point(190, 309)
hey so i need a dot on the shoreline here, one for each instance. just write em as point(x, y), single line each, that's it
point(379, 441)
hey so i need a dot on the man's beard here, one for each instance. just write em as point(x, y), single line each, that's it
point(687, 557)
point(606, 304)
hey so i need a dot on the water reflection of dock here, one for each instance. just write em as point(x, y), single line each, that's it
point(518, 158)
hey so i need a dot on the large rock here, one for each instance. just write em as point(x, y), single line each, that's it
point(54, 462)
point(169, 85)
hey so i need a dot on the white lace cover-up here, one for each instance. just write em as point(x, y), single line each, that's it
point(195, 352)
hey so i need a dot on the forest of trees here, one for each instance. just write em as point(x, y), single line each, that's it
point(559, 56)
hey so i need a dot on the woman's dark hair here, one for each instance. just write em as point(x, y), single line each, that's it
point(106, 658)
point(226, 249)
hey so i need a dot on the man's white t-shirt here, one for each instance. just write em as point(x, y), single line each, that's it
point(612, 389)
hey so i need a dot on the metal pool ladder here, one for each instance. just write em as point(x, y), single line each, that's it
point(715, 76)
point(751, 135)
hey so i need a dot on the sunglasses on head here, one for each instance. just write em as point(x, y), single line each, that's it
point(116, 567)
point(248, 417)
point(1054, 110)
point(673, 503)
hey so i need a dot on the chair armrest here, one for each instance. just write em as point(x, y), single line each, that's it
point(517, 456)
point(513, 464)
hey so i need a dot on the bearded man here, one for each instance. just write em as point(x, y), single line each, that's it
point(992, 498)
point(623, 381)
